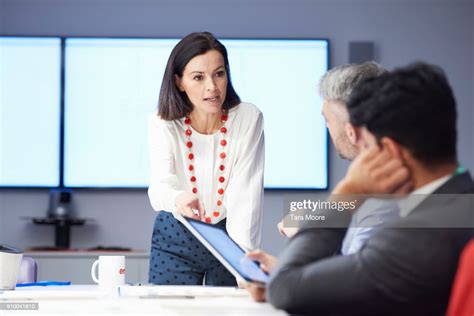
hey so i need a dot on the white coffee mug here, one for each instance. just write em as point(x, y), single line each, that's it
point(10, 260)
point(111, 271)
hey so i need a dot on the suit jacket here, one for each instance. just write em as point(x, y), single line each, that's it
point(406, 267)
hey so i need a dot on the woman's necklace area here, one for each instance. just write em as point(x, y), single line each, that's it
point(222, 155)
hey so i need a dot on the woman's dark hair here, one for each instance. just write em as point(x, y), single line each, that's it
point(413, 105)
point(174, 104)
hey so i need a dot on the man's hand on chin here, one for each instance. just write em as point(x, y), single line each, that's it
point(376, 171)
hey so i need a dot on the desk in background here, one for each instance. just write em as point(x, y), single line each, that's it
point(75, 266)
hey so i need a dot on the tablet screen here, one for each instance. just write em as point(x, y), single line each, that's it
point(231, 252)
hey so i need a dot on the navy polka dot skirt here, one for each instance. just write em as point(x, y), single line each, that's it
point(178, 258)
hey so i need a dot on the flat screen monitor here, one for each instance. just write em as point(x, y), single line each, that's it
point(112, 87)
point(30, 83)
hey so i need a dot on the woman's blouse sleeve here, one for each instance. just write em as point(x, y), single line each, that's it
point(244, 196)
point(164, 184)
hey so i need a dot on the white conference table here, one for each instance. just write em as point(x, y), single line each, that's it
point(170, 300)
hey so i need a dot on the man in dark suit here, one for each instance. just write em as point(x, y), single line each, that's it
point(407, 119)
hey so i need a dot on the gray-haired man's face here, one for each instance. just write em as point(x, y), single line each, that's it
point(336, 117)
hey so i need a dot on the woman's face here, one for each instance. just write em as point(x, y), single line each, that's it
point(205, 82)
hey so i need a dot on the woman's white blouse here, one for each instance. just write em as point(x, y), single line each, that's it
point(244, 165)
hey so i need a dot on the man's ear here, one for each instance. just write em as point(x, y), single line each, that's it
point(351, 133)
point(177, 80)
point(393, 147)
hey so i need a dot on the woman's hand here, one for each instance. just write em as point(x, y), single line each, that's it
point(186, 203)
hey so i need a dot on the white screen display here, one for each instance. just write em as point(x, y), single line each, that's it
point(30, 83)
point(281, 77)
point(112, 86)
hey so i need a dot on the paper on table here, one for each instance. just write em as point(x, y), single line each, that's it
point(181, 290)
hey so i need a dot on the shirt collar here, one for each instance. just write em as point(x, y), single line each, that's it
point(415, 198)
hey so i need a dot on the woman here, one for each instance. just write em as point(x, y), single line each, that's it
point(207, 161)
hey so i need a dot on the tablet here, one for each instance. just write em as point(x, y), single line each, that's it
point(226, 250)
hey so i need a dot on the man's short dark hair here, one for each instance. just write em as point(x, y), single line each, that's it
point(414, 106)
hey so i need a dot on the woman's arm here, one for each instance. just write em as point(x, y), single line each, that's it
point(164, 184)
point(244, 196)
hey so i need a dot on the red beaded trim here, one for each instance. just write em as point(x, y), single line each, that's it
point(222, 156)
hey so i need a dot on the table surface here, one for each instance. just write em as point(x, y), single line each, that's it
point(88, 299)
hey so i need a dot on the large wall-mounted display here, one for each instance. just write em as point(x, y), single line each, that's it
point(30, 76)
point(111, 88)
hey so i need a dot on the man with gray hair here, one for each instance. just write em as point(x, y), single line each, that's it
point(335, 88)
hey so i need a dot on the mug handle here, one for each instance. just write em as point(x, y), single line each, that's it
point(93, 270)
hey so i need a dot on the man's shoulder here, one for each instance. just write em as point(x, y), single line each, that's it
point(448, 207)
point(443, 223)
